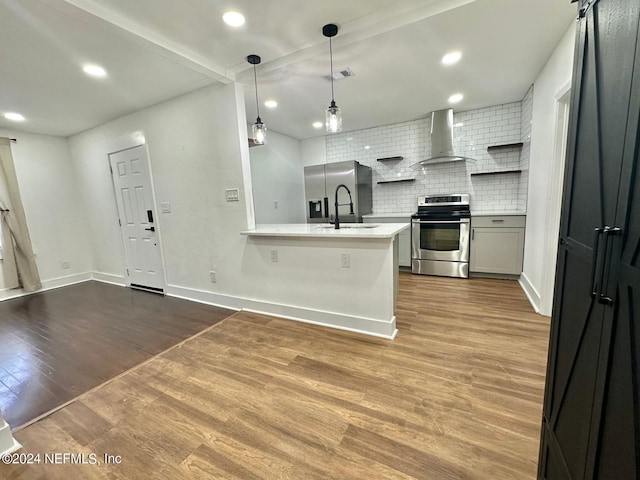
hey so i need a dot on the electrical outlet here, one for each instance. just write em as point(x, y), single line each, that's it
point(212, 276)
point(66, 264)
point(232, 195)
point(274, 255)
point(345, 260)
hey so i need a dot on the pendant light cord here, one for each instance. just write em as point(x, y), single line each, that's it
point(255, 82)
point(331, 61)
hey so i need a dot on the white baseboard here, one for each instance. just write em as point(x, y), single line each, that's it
point(369, 326)
point(109, 278)
point(50, 284)
point(530, 291)
point(8, 444)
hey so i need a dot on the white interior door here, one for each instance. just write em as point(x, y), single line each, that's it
point(132, 182)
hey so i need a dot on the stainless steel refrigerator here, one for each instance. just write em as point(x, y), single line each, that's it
point(320, 184)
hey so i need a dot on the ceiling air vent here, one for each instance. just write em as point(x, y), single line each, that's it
point(340, 74)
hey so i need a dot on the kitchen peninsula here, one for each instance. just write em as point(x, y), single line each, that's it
point(344, 278)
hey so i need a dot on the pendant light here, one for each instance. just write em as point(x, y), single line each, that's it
point(334, 116)
point(259, 128)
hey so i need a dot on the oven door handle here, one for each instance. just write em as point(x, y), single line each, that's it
point(462, 220)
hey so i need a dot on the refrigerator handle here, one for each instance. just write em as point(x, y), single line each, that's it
point(326, 207)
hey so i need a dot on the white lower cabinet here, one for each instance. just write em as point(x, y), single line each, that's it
point(403, 238)
point(497, 244)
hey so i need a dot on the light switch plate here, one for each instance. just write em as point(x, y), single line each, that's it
point(232, 195)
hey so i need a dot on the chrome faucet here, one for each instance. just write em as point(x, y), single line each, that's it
point(337, 220)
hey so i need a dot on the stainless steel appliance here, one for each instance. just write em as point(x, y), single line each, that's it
point(442, 140)
point(440, 236)
point(321, 183)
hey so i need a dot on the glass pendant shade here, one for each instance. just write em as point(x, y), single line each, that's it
point(334, 118)
point(259, 129)
point(259, 132)
point(334, 115)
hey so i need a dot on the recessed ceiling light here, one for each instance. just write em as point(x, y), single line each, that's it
point(318, 124)
point(270, 103)
point(459, 124)
point(367, 147)
point(14, 117)
point(94, 71)
point(455, 98)
point(233, 19)
point(451, 58)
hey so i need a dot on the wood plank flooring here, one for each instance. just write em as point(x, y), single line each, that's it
point(58, 344)
point(457, 395)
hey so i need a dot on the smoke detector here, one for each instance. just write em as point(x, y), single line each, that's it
point(340, 74)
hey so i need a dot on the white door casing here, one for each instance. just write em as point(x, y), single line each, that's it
point(556, 181)
point(136, 210)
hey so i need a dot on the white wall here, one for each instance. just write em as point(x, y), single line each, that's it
point(277, 176)
point(55, 215)
point(314, 151)
point(551, 82)
point(197, 148)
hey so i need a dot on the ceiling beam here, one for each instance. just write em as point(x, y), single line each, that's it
point(131, 31)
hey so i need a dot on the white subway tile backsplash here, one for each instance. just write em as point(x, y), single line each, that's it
point(479, 128)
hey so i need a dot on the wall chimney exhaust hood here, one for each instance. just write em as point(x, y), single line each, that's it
point(442, 140)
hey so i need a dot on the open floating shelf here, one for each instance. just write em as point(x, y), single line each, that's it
point(401, 180)
point(390, 158)
point(498, 172)
point(492, 148)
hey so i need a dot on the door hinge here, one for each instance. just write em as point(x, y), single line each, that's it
point(119, 222)
point(582, 12)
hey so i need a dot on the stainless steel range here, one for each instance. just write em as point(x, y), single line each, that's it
point(440, 236)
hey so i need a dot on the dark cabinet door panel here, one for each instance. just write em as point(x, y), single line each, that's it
point(552, 465)
point(618, 446)
point(578, 336)
point(618, 453)
point(591, 421)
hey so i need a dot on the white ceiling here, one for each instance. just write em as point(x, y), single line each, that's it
point(155, 50)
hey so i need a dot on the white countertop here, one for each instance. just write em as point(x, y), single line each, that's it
point(327, 230)
point(497, 214)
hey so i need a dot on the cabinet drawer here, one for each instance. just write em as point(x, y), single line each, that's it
point(507, 221)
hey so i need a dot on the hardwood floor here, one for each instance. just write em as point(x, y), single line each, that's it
point(457, 395)
point(58, 344)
